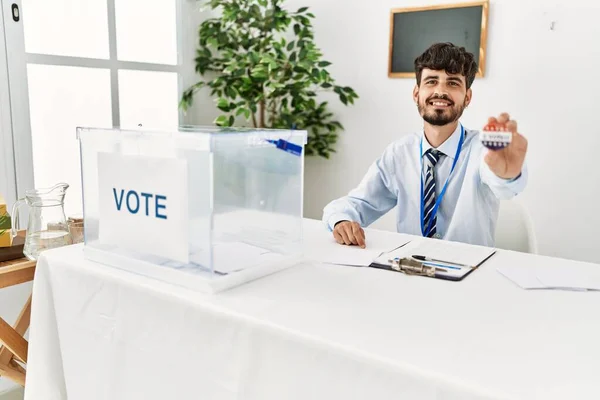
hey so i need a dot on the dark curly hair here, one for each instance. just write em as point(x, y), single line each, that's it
point(447, 57)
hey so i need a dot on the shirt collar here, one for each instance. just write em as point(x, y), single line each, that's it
point(448, 147)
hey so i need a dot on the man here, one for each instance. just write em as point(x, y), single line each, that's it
point(443, 182)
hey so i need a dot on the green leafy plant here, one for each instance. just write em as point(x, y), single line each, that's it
point(264, 66)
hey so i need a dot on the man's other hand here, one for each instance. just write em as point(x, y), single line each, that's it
point(349, 233)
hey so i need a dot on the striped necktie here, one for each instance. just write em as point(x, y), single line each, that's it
point(431, 157)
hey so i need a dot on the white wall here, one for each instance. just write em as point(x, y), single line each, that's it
point(203, 111)
point(545, 78)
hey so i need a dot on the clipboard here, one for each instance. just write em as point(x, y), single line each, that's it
point(410, 266)
point(431, 266)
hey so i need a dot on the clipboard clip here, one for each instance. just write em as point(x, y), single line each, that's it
point(409, 266)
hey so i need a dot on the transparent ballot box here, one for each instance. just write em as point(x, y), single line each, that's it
point(205, 208)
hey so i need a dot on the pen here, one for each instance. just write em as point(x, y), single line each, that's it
point(427, 259)
point(440, 265)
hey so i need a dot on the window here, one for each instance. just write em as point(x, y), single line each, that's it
point(92, 63)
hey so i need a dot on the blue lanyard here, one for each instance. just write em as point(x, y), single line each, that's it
point(443, 192)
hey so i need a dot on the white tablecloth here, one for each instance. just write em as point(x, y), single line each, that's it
point(310, 332)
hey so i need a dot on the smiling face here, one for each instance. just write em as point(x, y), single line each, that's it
point(441, 97)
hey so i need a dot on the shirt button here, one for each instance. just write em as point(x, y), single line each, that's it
point(437, 236)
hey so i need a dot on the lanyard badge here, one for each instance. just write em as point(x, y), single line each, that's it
point(443, 192)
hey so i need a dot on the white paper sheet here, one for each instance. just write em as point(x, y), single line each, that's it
point(453, 252)
point(453, 260)
point(525, 277)
point(349, 255)
point(236, 256)
point(580, 277)
point(320, 246)
point(449, 252)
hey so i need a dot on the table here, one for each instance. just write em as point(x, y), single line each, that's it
point(13, 346)
point(313, 331)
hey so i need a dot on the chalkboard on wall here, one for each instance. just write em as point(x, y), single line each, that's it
point(413, 30)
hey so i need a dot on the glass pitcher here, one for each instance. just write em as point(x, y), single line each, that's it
point(47, 226)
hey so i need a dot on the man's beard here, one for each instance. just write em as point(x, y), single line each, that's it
point(440, 117)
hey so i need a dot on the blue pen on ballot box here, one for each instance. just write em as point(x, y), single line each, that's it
point(287, 146)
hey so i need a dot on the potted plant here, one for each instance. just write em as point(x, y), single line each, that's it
point(266, 68)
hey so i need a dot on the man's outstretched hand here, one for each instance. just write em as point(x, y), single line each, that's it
point(349, 233)
point(507, 163)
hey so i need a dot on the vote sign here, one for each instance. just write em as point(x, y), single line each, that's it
point(143, 204)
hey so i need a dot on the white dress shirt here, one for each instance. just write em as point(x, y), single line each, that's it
point(469, 208)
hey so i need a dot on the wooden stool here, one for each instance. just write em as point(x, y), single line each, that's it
point(13, 353)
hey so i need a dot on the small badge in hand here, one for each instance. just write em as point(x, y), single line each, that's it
point(495, 136)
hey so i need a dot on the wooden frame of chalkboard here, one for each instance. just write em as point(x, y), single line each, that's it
point(401, 60)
